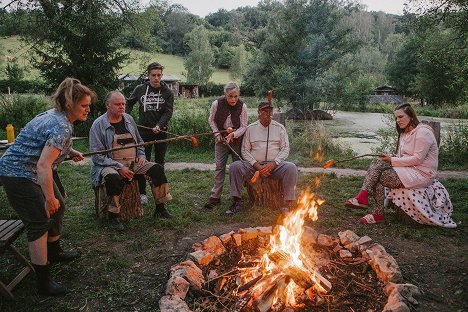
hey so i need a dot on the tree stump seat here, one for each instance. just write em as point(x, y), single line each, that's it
point(130, 205)
point(266, 192)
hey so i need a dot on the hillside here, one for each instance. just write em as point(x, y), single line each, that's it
point(174, 65)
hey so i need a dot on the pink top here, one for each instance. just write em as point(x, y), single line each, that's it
point(417, 158)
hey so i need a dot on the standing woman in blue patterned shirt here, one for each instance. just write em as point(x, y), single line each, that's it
point(26, 172)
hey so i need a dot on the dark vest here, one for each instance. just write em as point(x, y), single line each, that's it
point(224, 110)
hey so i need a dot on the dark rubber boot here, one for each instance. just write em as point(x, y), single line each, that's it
point(46, 286)
point(161, 212)
point(55, 253)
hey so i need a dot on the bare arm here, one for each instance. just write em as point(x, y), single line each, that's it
point(45, 178)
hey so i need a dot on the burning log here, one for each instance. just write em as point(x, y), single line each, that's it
point(249, 284)
point(265, 301)
point(300, 276)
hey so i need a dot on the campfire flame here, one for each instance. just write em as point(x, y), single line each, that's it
point(287, 240)
point(318, 155)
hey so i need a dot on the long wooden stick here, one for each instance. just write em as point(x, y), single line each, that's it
point(193, 135)
point(135, 145)
point(332, 162)
point(149, 128)
point(356, 157)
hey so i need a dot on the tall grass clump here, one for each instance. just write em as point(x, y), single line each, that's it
point(187, 121)
point(387, 136)
point(20, 109)
point(453, 152)
point(308, 139)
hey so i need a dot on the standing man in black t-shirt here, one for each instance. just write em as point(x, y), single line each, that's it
point(155, 106)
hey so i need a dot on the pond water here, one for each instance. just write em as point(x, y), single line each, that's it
point(358, 130)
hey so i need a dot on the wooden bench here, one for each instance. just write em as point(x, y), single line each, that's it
point(10, 230)
point(130, 205)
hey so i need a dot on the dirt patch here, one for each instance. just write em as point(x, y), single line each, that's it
point(437, 266)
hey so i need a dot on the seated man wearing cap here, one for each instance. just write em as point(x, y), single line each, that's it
point(264, 148)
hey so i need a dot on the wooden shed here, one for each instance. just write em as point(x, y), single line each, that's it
point(386, 94)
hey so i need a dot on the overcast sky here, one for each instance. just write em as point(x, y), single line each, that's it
point(204, 7)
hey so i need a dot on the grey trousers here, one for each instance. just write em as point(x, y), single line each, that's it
point(241, 171)
point(221, 156)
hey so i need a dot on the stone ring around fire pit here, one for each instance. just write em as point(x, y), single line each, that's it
point(204, 275)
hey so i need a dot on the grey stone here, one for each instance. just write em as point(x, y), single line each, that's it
point(347, 237)
point(345, 254)
point(309, 236)
point(326, 240)
point(383, 264)
point(212, 245)
point(226, 238)
point(177, 286)
point(201, 257)
point(190, 272)
point(249, 233)
point(173, 304)
point(237, 239)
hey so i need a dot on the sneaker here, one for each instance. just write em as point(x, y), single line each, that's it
point(143, 199)
point(212, 202)
point(115, 224)
point(235, 207)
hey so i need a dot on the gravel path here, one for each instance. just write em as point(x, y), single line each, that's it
point(338, 171)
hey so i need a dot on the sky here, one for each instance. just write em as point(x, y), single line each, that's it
point(204, 7)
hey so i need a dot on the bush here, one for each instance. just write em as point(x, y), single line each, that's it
point(188, 121)
point(23, 86)
point(20, 109)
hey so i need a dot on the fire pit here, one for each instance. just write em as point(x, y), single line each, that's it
point(289, 268)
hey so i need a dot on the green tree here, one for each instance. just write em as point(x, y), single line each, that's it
point(144, 26)
point(199, 61)
point(178, 22)
point(239, 62)
point(224, 55)
point(78, 39)
point(304, 39)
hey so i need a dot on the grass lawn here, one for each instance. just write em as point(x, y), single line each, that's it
point(174, 65)
point(128, 271)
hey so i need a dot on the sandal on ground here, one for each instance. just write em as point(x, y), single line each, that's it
point(372, 218)
point(354, 203)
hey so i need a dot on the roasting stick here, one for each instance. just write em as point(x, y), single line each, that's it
point(181, 137)
point(332, 162)
point(149, 128)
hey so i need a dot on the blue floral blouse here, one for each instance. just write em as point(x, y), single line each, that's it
point(49, 128)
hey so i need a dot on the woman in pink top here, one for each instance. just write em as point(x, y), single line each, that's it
point(414, 166)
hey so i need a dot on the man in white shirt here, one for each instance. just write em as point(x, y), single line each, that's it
point(264, 148)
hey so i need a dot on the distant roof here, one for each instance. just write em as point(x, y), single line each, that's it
point(385, 87)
